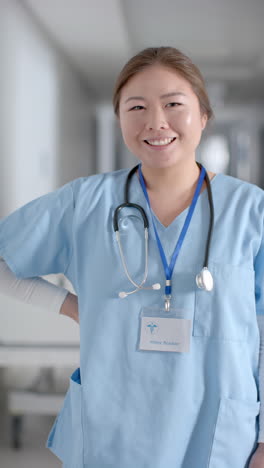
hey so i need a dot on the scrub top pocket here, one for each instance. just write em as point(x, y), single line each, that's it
point(66, 436)
point(235, 434)
point(226, 311)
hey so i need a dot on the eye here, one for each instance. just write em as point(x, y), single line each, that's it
point(136, 108)
point(174, 104)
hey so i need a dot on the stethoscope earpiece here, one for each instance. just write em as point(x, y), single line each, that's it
point(124, 294)
point(204, 280)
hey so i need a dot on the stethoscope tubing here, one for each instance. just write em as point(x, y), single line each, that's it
point(127, 204)
point(211, 224)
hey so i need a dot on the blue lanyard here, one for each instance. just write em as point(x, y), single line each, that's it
point(168, 269)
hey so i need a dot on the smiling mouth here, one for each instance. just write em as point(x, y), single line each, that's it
point(164, 142)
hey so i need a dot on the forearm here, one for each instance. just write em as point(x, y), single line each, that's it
point(70, 307)
point(33, 291)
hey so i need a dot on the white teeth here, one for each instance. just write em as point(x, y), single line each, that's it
point(166, 141)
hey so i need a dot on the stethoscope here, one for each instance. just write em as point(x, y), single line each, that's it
point(204, 279)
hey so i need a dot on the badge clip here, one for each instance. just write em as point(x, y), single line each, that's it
point(167, 302)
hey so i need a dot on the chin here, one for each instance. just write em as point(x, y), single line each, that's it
point(161, 163)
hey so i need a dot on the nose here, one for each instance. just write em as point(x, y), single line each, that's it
point(157, 120)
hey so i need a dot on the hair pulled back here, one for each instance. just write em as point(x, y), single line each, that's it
point(168, 57)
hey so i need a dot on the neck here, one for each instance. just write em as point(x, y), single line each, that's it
point(177, 179)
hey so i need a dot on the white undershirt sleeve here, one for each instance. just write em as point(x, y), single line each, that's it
point(34, 291)
point(260, 319)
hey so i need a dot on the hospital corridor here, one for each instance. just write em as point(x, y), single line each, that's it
point(90, 89)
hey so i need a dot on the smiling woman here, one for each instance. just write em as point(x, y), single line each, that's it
point(162, 106)
point(169, 370)
point(162, 127)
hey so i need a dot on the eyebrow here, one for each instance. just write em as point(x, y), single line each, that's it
point(174, 93)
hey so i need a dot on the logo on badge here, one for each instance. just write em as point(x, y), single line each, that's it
point(152, 327)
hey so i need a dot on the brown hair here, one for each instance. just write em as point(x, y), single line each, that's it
point(170, 58)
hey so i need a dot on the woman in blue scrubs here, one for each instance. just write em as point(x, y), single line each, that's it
point(168, 371)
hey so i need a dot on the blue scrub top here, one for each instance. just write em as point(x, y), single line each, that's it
point(127, 408)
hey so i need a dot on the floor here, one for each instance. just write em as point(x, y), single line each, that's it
point(33, 453)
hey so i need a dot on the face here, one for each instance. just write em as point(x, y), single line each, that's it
point(160, 117)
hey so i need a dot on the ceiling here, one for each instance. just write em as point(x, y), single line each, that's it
point(225, 38)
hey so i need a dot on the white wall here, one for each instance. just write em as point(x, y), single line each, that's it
point(45, 114)
point(46, 139)
point(76, 139)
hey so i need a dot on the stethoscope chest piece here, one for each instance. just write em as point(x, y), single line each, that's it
point(204, 280)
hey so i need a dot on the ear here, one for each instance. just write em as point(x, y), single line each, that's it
point(204, 120)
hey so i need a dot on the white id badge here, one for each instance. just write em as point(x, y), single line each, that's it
point(164, 331)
